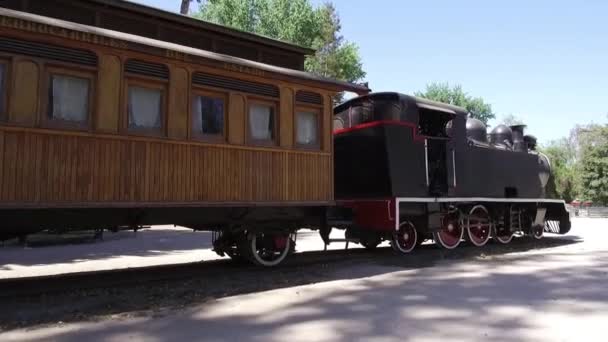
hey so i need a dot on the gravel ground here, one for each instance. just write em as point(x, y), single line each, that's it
point(553, 290)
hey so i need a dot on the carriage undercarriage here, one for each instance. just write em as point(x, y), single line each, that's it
point(447, 223)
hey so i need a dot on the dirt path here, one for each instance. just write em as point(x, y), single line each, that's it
point(553, 291)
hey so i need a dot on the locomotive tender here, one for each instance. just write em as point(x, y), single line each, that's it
point(108, 129)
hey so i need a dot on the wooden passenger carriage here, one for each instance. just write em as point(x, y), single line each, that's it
point(101, 159)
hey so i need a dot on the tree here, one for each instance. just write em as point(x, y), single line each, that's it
point(335, 57)
point(442, 92)
point(564, 180)
point(593, 167)
point(297, 22)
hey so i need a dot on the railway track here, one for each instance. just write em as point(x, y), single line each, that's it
point(131, 277)
point(29, 286)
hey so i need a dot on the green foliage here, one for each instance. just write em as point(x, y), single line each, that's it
point(239, 14)
point(442, 92)
point(579, 165)
point(297, 22)
point(335, 57)
point(593, 142)
point(564, 181)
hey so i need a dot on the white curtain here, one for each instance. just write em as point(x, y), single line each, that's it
point(70, 98)
point(260, 122)
point(144, 107)
point(307, 128)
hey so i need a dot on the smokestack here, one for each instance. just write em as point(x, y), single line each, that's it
point(519, 145)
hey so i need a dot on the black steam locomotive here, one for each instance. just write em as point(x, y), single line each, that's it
point(409, 169)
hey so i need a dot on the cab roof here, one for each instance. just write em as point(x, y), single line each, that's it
point(408, 100)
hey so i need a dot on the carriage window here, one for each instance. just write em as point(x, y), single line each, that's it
point(208, 116)
point(261, 122)
point(146, 89)
point(3, 89)
point(307, 126)
point(145, 108)
point(68, 99)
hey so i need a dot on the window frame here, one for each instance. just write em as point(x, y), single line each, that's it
point(4, 96)
point(195, 135)
point(146, 83)
point(275, 129)
point(50, 70)
point(318, 110)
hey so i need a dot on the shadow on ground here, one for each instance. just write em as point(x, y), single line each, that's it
point(45, 249)
point(376, 301)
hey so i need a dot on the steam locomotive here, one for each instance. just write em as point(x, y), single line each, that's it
point(409, 169)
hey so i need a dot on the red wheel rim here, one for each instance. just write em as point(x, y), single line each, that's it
point(450, 234)
point(280, 242)
point(478, 226)
point(406, 237)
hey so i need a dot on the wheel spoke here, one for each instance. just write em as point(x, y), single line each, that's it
point(267, 249)
point(405, 239)
point(478, 226)
point(451, 232)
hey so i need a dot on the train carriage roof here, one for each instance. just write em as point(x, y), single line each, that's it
point(201, 24)
point(213, 56)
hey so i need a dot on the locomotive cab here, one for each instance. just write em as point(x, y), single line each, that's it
point(394, 145)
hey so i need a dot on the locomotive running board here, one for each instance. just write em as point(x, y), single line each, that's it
point(554, 226)
point(476, 199)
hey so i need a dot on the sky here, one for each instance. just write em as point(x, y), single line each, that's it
point(543, 61)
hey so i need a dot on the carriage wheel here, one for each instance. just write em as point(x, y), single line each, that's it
point(265, 249)
point(478, 226)
point(451, 232)
point(405, 239)
point(502, 237)
point(538, 231)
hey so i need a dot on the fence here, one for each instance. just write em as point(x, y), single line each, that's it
point(593, 212)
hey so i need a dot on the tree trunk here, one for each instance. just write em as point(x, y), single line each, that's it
point(185, 7)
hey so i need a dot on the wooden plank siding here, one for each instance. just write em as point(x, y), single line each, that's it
point(104, 163)
point(40, 167)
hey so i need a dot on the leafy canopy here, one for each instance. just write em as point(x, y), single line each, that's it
point(563, 182)
point(579, 164)
point(594, 163)
point(443, 92)
point(297, 22)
